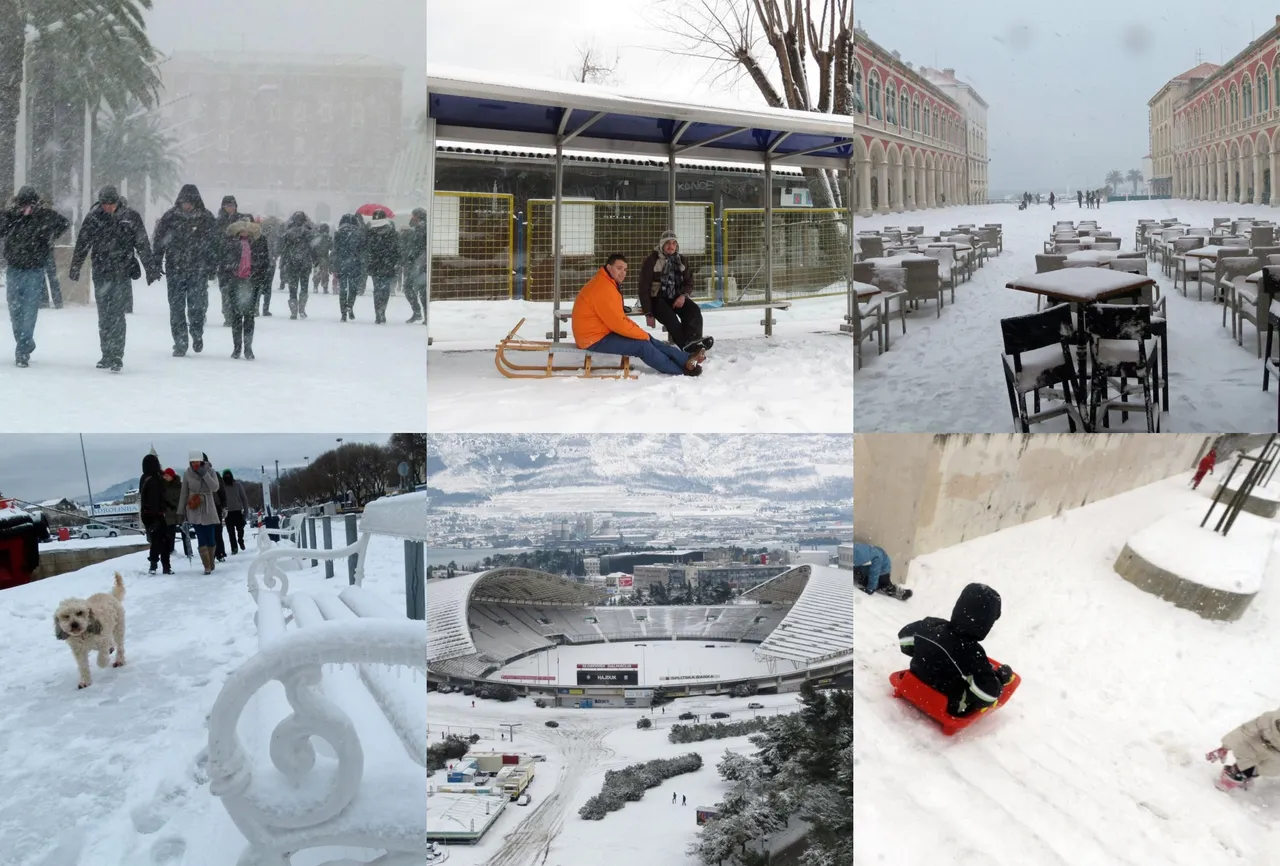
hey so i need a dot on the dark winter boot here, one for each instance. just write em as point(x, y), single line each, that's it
point(197, 343)
point(293, 309)
point(901, 593)
point(302, 306)
point(248, 337)
point(237, 336)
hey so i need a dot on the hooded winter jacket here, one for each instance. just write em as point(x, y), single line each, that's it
point(1256, 744)
point(151, 491)
point(597, 312)
point(173, 508)
point(383, 249)
point(651, 273)
point(237, 498)
point(185, 240)
point(205, 483)
point(229, 249)
point(947, 655)
point(348, 248)
point(296, 251)
point(873, 562)
point(112, 239)
point(29, 237)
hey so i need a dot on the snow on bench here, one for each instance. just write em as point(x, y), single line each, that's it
point(347, 745)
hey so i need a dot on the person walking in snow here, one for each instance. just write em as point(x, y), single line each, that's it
point(28, 230)
point(243, 265)
point(947, 655)
point(1207, 463)
point(322, 244)
point(601, 325)
point(1051, 199)
point(173, 511)
point(297, 258)
point(1079, 199)
point(871, 572)
point(666, 293)
point(684, 800)
point(199, 487)
point(114, 235)
point(382, 247)
point(184, 243)
point(151, 512)
point(673, 798)
point(1256, 748)
point(416, 266)
point(348, 256)
point(237, 508)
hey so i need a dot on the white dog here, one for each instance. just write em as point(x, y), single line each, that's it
point(93, 623)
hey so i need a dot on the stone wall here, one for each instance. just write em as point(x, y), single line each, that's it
point(73, 559)
point(917, 493)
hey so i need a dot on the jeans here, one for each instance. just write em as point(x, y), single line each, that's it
point(657, 356)
point(55, 288)
point(188, 305)
point(206, 534)
point(684, 325)
point(347, 286)
point(381, 294)
point(23, 291)
point(112, 296)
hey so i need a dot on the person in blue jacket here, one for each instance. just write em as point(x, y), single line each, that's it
point(872, 571)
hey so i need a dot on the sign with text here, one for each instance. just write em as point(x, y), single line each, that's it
point(606, 667)
point(608, 677)
point(691, 677)
point(527, 677)
point(626, 581)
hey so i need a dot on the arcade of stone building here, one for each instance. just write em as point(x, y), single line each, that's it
point(917, 145)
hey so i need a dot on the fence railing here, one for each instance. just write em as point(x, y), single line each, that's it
point(810, 253)
point(473, 243)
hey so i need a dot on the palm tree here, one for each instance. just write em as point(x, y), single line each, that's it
point(106, 34)
point(1134, 177)
point(131, 146)
point(1114, 179)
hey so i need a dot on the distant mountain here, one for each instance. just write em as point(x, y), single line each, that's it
point(468, 468)
point(118, 490)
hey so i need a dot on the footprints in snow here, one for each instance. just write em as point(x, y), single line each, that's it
point(168, 850)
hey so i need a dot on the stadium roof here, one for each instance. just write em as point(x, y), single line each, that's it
point(819, 625)
point(448, 635)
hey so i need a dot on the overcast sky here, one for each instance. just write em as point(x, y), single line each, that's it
point(387, 29)
point(1067, 84)
point(517, 37)
point(39, 467)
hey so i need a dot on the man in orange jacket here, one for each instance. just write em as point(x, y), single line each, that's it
point(601, 325)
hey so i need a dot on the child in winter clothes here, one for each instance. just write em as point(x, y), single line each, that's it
point(871, 571)
point(1206, 467)
point(947, 656)
point(1256, 746)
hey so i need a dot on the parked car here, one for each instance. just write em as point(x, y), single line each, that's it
point(97, 530)
point(719, 715)
point(539, 757)
point(755, 706)
point(524, 800)
point(686, 716)
point(552, 724)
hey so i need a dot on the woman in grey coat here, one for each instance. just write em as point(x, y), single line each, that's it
point(199, 484)
point(237, 508)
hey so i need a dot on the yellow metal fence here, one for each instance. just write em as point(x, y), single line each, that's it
point(473, 246)
point(811, 256)
point(594, 229)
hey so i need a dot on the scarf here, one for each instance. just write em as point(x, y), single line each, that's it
point(246, 268)
point(672, 278)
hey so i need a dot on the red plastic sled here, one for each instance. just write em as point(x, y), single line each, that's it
point(934, 704)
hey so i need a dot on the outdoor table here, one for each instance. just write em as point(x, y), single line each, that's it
point(1090, 258)
point(895, 261)
point(1209, 252)
point(1081, 287)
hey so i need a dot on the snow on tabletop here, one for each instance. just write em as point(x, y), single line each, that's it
point(1084, 284)
point(864, 289)
point(915, 388)
point(798, 380)
point(304, 369)
point(140, 792)
point(1099, 758)
point(1235, 563)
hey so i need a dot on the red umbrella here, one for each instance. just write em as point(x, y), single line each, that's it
point(368, 209)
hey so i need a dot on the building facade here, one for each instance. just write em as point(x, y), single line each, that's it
point(1225, 127)
point(974, 108)
point(286, 132)
point(1161, 110)
point(910, 150)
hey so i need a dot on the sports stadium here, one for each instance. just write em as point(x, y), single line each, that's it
point(552, 637)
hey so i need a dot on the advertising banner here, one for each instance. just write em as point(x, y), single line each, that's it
point(528, 677)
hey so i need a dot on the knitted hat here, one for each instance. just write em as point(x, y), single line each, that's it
point(168, 470)
point(668, 235)
point(109, 195)
point(195, 456)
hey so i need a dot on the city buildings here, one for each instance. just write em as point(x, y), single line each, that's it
point(921, 136)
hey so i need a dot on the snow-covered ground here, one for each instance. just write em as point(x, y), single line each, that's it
point(124, 539)
point(303, 370)
point(113, 775)
point(798, 380)
point(944, 375)
point(587, 743)
point(1099, 757)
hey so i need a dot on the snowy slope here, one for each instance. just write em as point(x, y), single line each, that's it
point(305, 370)
point(113, 775)
point(1098, 759)
point(798, 380)
point(798, 466)
point(944, 374)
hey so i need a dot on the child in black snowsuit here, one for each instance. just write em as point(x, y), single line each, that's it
point(947, 657)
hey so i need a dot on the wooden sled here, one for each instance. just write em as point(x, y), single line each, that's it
point(584, 366)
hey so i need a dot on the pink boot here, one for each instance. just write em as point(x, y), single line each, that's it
point(1232, 779)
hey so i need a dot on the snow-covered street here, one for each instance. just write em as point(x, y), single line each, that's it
point(366, 371)
point(1099, 757)
point(798, 380)
point(114, 775)
point(944, 374)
